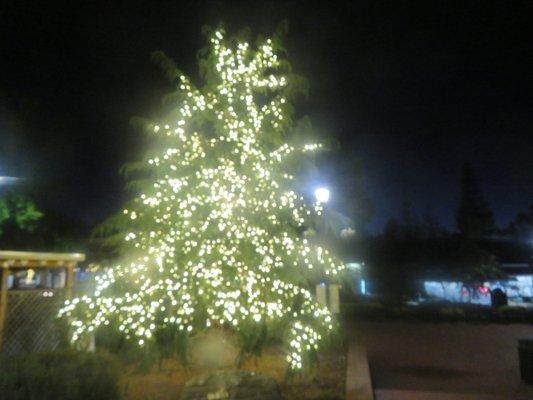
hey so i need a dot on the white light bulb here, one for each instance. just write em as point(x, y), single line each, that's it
point(322, 195)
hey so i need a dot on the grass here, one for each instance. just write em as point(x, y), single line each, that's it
point(65, 375)
point(72, 375)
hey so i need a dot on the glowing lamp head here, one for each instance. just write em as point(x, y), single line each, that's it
point(8, 180)
point(322, 195)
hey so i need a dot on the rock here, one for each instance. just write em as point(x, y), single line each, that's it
point(231, 385)
point(216, 348)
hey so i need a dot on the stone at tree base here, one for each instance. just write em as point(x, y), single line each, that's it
point(231, 385)
point(215, 349)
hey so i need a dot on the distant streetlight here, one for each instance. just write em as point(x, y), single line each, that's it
point(322, 195)
point(8, 180)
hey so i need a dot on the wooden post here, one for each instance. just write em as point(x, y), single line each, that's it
point(4, 273)
point(70, 279)
point(334, 302)
point(321, 294)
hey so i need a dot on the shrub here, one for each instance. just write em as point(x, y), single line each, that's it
point(513, 313)
point(437, 312)
point(65, 375)
point(452, 313)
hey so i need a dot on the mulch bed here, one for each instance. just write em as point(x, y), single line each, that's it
point(325, 381)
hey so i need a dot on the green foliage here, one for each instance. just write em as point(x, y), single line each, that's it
point(213, 235)
point(106, 236)
point(252, 339)
point(65, 375)
point(436, 312)
point(24, 225)
point(452, 313)
point(18, 213)
point(514, 313)
point(167, 65)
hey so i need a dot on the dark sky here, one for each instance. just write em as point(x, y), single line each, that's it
point(411, 92)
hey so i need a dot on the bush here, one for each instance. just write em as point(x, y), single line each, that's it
point(512, 313)
point(64, 375)
point(452, 313)
point(364, 309)
point(437, 312)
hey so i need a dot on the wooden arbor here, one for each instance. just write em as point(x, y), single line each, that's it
point(41, 265)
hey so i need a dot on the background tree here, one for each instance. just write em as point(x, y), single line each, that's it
point(28, 224)
point(215, 233)
point(521, 227)
point(431, 225)
point(412, 228)
point(474, 218)
point(471, 264)
point(397, 256)
point(413, 249)
point(19, 218)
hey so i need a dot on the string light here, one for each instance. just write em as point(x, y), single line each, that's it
point(218, 228)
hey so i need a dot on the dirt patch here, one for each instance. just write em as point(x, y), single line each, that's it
point(326, 381)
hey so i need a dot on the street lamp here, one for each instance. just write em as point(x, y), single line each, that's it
point(8, 180)
point(326, 295)
point(322, 194)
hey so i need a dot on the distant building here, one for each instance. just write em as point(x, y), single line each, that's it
point(355, 282)
point(518, 286)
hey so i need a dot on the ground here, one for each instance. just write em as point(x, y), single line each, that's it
point(480, 360)
point(326, 382)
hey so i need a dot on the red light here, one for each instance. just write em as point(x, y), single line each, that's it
point(483, 290)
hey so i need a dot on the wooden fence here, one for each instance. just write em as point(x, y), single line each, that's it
point(28, 320)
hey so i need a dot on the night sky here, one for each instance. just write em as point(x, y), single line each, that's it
point(410, 92)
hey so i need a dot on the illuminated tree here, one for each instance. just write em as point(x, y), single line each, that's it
point(216, 233)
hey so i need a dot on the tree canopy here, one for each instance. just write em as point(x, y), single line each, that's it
point(215, 232)
point(474, 217)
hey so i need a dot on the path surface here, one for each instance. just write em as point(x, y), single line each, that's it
point(444, 361)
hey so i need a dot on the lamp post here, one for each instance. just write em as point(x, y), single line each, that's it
point(327, 295)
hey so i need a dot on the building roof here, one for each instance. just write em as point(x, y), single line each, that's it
point(35, 260)
point(517, 268)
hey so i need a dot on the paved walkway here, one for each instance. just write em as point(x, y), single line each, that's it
point(442, 361)
point(386, 394)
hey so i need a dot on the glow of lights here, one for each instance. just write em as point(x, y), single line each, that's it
point(322, 195)
point(214, 237)
point(8, 180)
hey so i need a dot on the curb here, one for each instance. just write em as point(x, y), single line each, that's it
point(358, 379)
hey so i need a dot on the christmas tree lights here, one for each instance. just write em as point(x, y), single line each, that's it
point(216, 236)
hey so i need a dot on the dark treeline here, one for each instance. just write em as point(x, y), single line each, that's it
point(415, 246)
